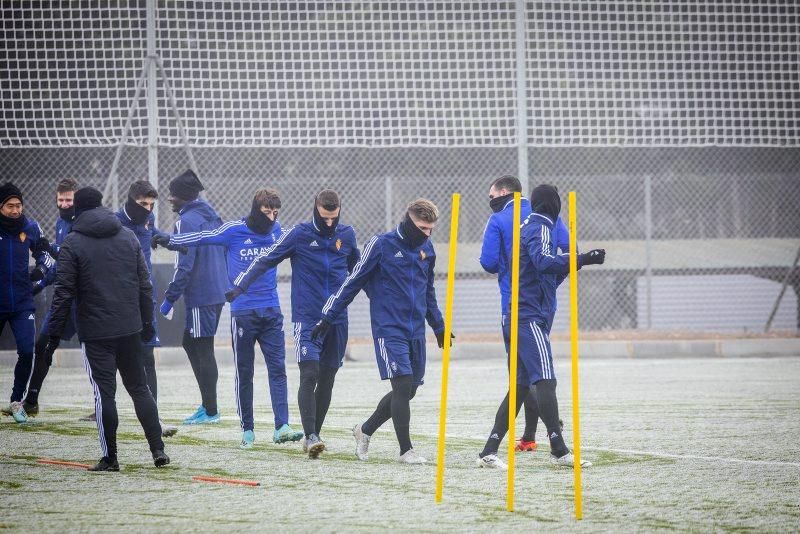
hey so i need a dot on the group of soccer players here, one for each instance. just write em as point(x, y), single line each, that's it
point(237, 261)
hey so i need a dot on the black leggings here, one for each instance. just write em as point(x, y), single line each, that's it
point(41, 366)
point(314, 394)
point(396, 406)
point(149, 361)
point(501, 420)
point(200, 351)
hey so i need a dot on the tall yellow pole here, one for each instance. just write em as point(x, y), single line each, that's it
point(448, 328)
point(573, 324)
point(512, 351)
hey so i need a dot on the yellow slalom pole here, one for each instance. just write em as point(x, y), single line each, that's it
point(573, 324)
point(512, 352)
point(448, 328)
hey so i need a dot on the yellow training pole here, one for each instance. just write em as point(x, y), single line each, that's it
point(512, 352)
point(573, 325)
point(448, 328)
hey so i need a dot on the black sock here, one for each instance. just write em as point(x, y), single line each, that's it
point(201, 355)
point(531, 417)
point(306, 401)
point(382, 413)
point(324, 392)
point(501, 421)
point(149, 360)
point(548, 407)
point(401, 410)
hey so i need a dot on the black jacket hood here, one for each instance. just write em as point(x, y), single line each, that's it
point(97, 222)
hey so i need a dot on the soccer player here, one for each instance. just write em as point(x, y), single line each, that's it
point(396, 271)
point(200, 278)
point(65, 192)
point(20, 237)
point(256, 316)
point(322, 253)
point(496, 259)
point(102, 267)
point(541, 271)
point(137, 216)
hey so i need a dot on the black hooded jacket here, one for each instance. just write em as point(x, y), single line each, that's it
point(102, 266)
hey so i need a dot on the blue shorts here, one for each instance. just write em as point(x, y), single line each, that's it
point(534, 354)
point(328, 352)
point(401, 357)
point(202, 321)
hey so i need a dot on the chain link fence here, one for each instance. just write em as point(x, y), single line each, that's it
point(675, 122)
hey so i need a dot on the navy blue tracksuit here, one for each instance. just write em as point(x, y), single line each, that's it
point(16, 295)
point(62, 229)
point(255, 316)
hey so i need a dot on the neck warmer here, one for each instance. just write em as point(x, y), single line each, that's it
point(68, 214)
point(498, 203)
point(12, 226)
point(136, 213)
point(257, 221)
point(322, 226)
point(412, 235)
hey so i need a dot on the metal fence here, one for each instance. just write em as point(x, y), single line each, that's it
point(675, 122)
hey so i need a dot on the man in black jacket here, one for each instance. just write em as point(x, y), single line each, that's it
point(102, 264)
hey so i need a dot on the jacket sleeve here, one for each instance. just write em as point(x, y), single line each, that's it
point(359, 276)
point(355, 253)
point(184, 263)
point(283, 248)
point(219, 236)
point(145, 287)
point(41, 257)
point(540, 249)
point(490, 250)
point(66, 287)
point(561, 236)
point(433, 315)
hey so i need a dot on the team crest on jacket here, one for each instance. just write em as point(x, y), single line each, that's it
point(338, 244)
point(22, 236)
point(422, 255)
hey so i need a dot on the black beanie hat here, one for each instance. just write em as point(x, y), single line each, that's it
point(546, 201)
point(9, 191)
point(186, 186)
point(87, 198)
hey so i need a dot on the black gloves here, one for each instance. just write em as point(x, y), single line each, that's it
point(37, 288)
point(52, 345)
point(593, 257)
point(159, 239)
point(38, 273)
point(440, 339)
point(148, 332)
point(232, 294)
point(43, 245)
point(320, 330)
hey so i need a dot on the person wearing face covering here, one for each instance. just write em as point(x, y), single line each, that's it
point(495, 258)
point(65, 194)
point(542, 269)
point(396, 270)
point(256, 316)
point(102, 268)
point(322, 253)
point(200, 279)
point(20, 238)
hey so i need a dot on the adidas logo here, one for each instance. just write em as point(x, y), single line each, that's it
point(398, 255)
point(494, 436)
point(248, 241)
point(32, 317)
point(314, 243)
point(553, 435)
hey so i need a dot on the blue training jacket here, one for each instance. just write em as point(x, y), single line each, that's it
point(398, 280)
point(242, 245)
point(497, 241)
point(541, 271)
point(200, 274)
point(320, 265)
point(16, 289)
point(62, 229)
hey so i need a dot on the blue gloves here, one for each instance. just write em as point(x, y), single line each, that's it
point(166, 309)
